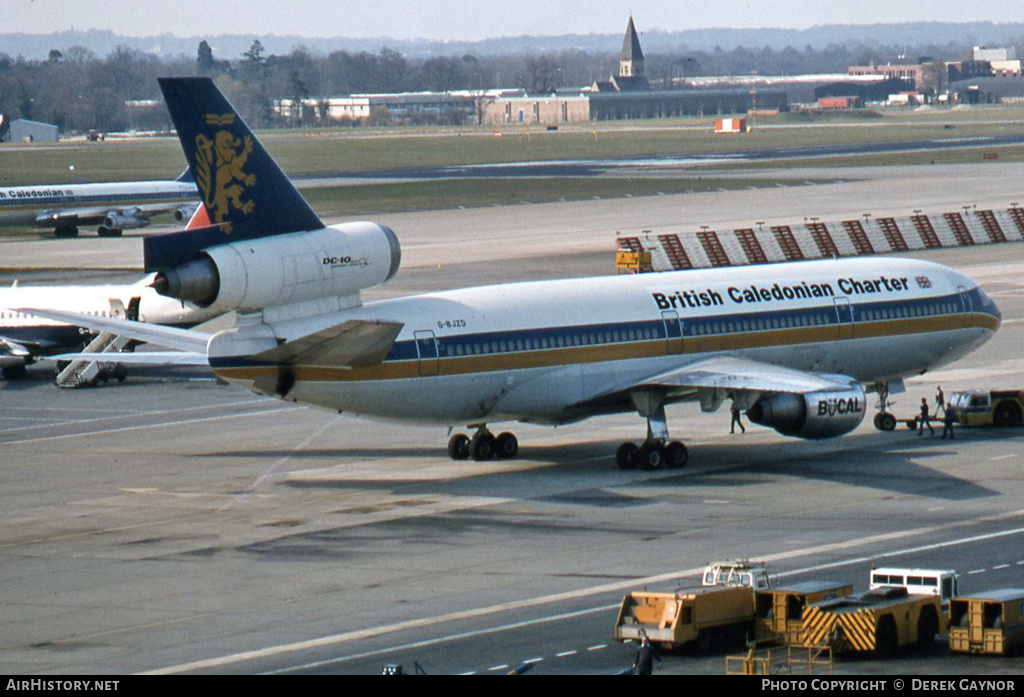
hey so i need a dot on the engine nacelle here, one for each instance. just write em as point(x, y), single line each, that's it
point(817, 415)
point(124, 220)
point(253, 275)
point(185, 213)
point(9, 361)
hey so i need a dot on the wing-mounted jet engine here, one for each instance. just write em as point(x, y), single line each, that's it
point(813, 415)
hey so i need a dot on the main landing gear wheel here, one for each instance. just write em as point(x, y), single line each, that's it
point(483, 446)
point(458, 447)
point(506, 446)
point(652, 455)
point(884, 421)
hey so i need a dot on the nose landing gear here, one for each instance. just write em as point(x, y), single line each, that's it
point(884, 420)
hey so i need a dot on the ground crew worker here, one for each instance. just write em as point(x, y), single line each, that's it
point(736, 419)
point(940, 400)
point(947, 424)
point(646, 655)
point(923, 420)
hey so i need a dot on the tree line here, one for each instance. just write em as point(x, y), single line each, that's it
point(81, 92)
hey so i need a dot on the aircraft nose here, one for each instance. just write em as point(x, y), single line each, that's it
point(989, 306)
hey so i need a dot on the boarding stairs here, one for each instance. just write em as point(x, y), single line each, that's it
point(87, 373)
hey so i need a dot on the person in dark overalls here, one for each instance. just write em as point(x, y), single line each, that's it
point(735, 410)
point(646, 655)
point(923, 420)
point(947, 423)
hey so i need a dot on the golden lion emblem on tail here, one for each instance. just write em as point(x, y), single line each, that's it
point(220, 170)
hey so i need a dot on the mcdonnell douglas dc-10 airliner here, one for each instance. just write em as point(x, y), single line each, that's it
point(793, 344)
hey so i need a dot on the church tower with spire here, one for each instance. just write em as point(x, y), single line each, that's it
point(631, 77)
point(631, 62)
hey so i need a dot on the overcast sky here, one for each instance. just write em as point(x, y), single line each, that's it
point(473, 19)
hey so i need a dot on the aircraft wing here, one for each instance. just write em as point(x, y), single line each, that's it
point(187, 340)
point(19, 347)
point(733, 373)
point(151, 358)
point(712, 379)
point(15, 352)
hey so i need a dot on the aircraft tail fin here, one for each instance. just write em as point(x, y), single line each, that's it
point(186, 177)
point(240, 184)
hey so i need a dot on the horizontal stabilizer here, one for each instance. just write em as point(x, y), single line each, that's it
point(352, 344)
point(187, 340)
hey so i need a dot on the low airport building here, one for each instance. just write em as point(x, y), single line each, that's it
point(25, 131)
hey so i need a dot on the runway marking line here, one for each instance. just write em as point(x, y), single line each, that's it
point(124, 429)
point(124, 413)
point(619, 586)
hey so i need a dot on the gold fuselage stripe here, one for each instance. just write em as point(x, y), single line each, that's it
point(650, 348)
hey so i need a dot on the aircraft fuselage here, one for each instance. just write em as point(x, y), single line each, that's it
point(539, 351)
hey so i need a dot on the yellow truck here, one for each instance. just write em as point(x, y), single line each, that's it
point(1002, 408)
point(880, 621)
point(778, 612)
point(701, 617)
point(989, 623)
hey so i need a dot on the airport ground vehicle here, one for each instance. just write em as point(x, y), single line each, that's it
point(722, 608)
point(903, 607)
point(988, 408)
point(736, 573)
point(778, 612)
point(989, 623)
point(944, 583)
point(701, 616)
point(881, 621)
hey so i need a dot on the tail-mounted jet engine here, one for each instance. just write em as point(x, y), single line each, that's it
point(813, 416)
point(251, 275)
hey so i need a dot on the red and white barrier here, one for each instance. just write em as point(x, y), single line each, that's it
point(766, 244)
